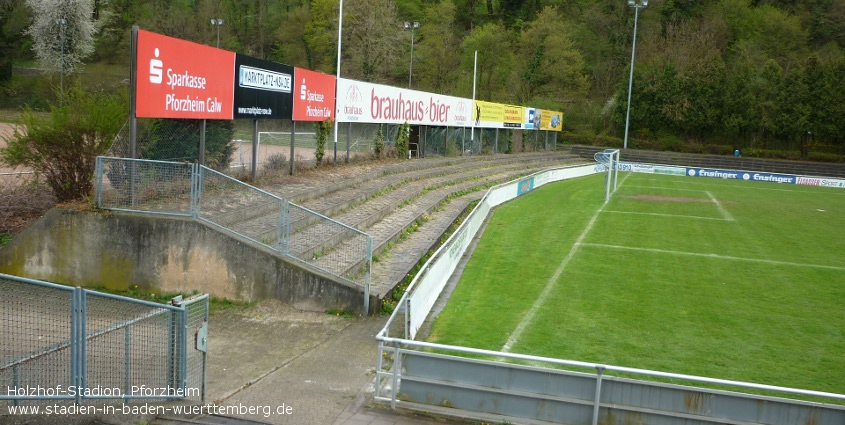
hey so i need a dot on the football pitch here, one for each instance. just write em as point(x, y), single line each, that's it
point(726, 279)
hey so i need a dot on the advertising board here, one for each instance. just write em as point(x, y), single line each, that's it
point(551, 120)
point(820, 181)
point(263, 90)
point(181, 79)
point(741, 175)
point(489, 114)
point(531, 118)
point(314, 93)
point(362, 102)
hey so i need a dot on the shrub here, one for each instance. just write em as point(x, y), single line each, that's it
point(378, 145)
point(323, 130)
point(62, 146)
point(276, 162)
point(402, 140)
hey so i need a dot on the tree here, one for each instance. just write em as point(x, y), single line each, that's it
point(63, 146)
point(13, 18)
point(435, 55)
point(62, 47)
point(495, 60)
point(372, 36)
point(291, 43)
point(549, 65)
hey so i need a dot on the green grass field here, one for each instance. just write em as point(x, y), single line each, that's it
point(720, 278)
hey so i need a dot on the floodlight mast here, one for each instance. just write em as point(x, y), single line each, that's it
point(411, 26)
point(637, 6)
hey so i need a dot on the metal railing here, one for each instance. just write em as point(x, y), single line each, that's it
point(74, 344)
point(234, 207)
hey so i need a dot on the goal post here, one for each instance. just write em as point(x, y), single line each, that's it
point(609, 159)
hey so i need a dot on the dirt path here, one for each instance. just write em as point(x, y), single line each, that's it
point(6, 132)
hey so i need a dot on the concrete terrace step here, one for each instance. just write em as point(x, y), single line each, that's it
point(366, 214)
point(404, 255)
point(365, 203)
point(392, 222)
point(302, 189)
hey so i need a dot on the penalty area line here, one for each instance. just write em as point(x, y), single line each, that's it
point(529, 317)
point(725, 212)
point(694, 217)
point(715, 256)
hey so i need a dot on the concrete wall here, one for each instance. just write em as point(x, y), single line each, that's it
point(119, 251)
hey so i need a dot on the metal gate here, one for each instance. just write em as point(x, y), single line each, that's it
point(73, 344)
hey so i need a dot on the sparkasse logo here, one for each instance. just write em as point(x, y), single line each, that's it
point(156, 68)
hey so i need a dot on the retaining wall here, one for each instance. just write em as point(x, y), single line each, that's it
point(121, 251)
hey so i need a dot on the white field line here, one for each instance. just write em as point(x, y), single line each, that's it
point(840, 192)
point(725, 212)
point(526, 320)
point(695, 217)
point(667, 188)
point(716, 256)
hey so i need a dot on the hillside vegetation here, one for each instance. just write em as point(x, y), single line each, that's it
point(709, 75)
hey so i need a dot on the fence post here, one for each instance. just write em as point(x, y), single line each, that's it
point(204, 354)
point(183, 348)
point(380, 364)
point(171, 352)
point(196, 190)
point(77, 338)
point(367, 275)
point(596, 405)
point(127, 350)
point(98, 181)
point(16, 381)
point(280, 236)
point(396, 365)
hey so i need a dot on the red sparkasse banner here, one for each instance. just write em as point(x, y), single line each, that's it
point(181, 79)
point(313, 96)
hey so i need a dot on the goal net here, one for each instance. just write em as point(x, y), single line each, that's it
point(609, 160)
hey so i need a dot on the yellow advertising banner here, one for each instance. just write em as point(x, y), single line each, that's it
point(513, 116)
point(551, 120)
point(488, 114)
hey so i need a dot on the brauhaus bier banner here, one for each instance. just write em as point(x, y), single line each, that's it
point(180, 79)
point(362, 102)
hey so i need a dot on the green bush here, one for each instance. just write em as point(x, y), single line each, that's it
point(378, 145)
point(402, 140)
point(178, 140)
point(62, 145)
point(323, 130)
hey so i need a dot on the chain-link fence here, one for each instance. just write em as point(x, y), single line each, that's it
point(143, 185)
point(73, 344)
point(329, 245)
point(232, 147)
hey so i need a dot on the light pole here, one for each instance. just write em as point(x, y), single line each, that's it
point(334, 130)
point(411, 26)
point(62, 23)
point(637, 5)
point(217, 23)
